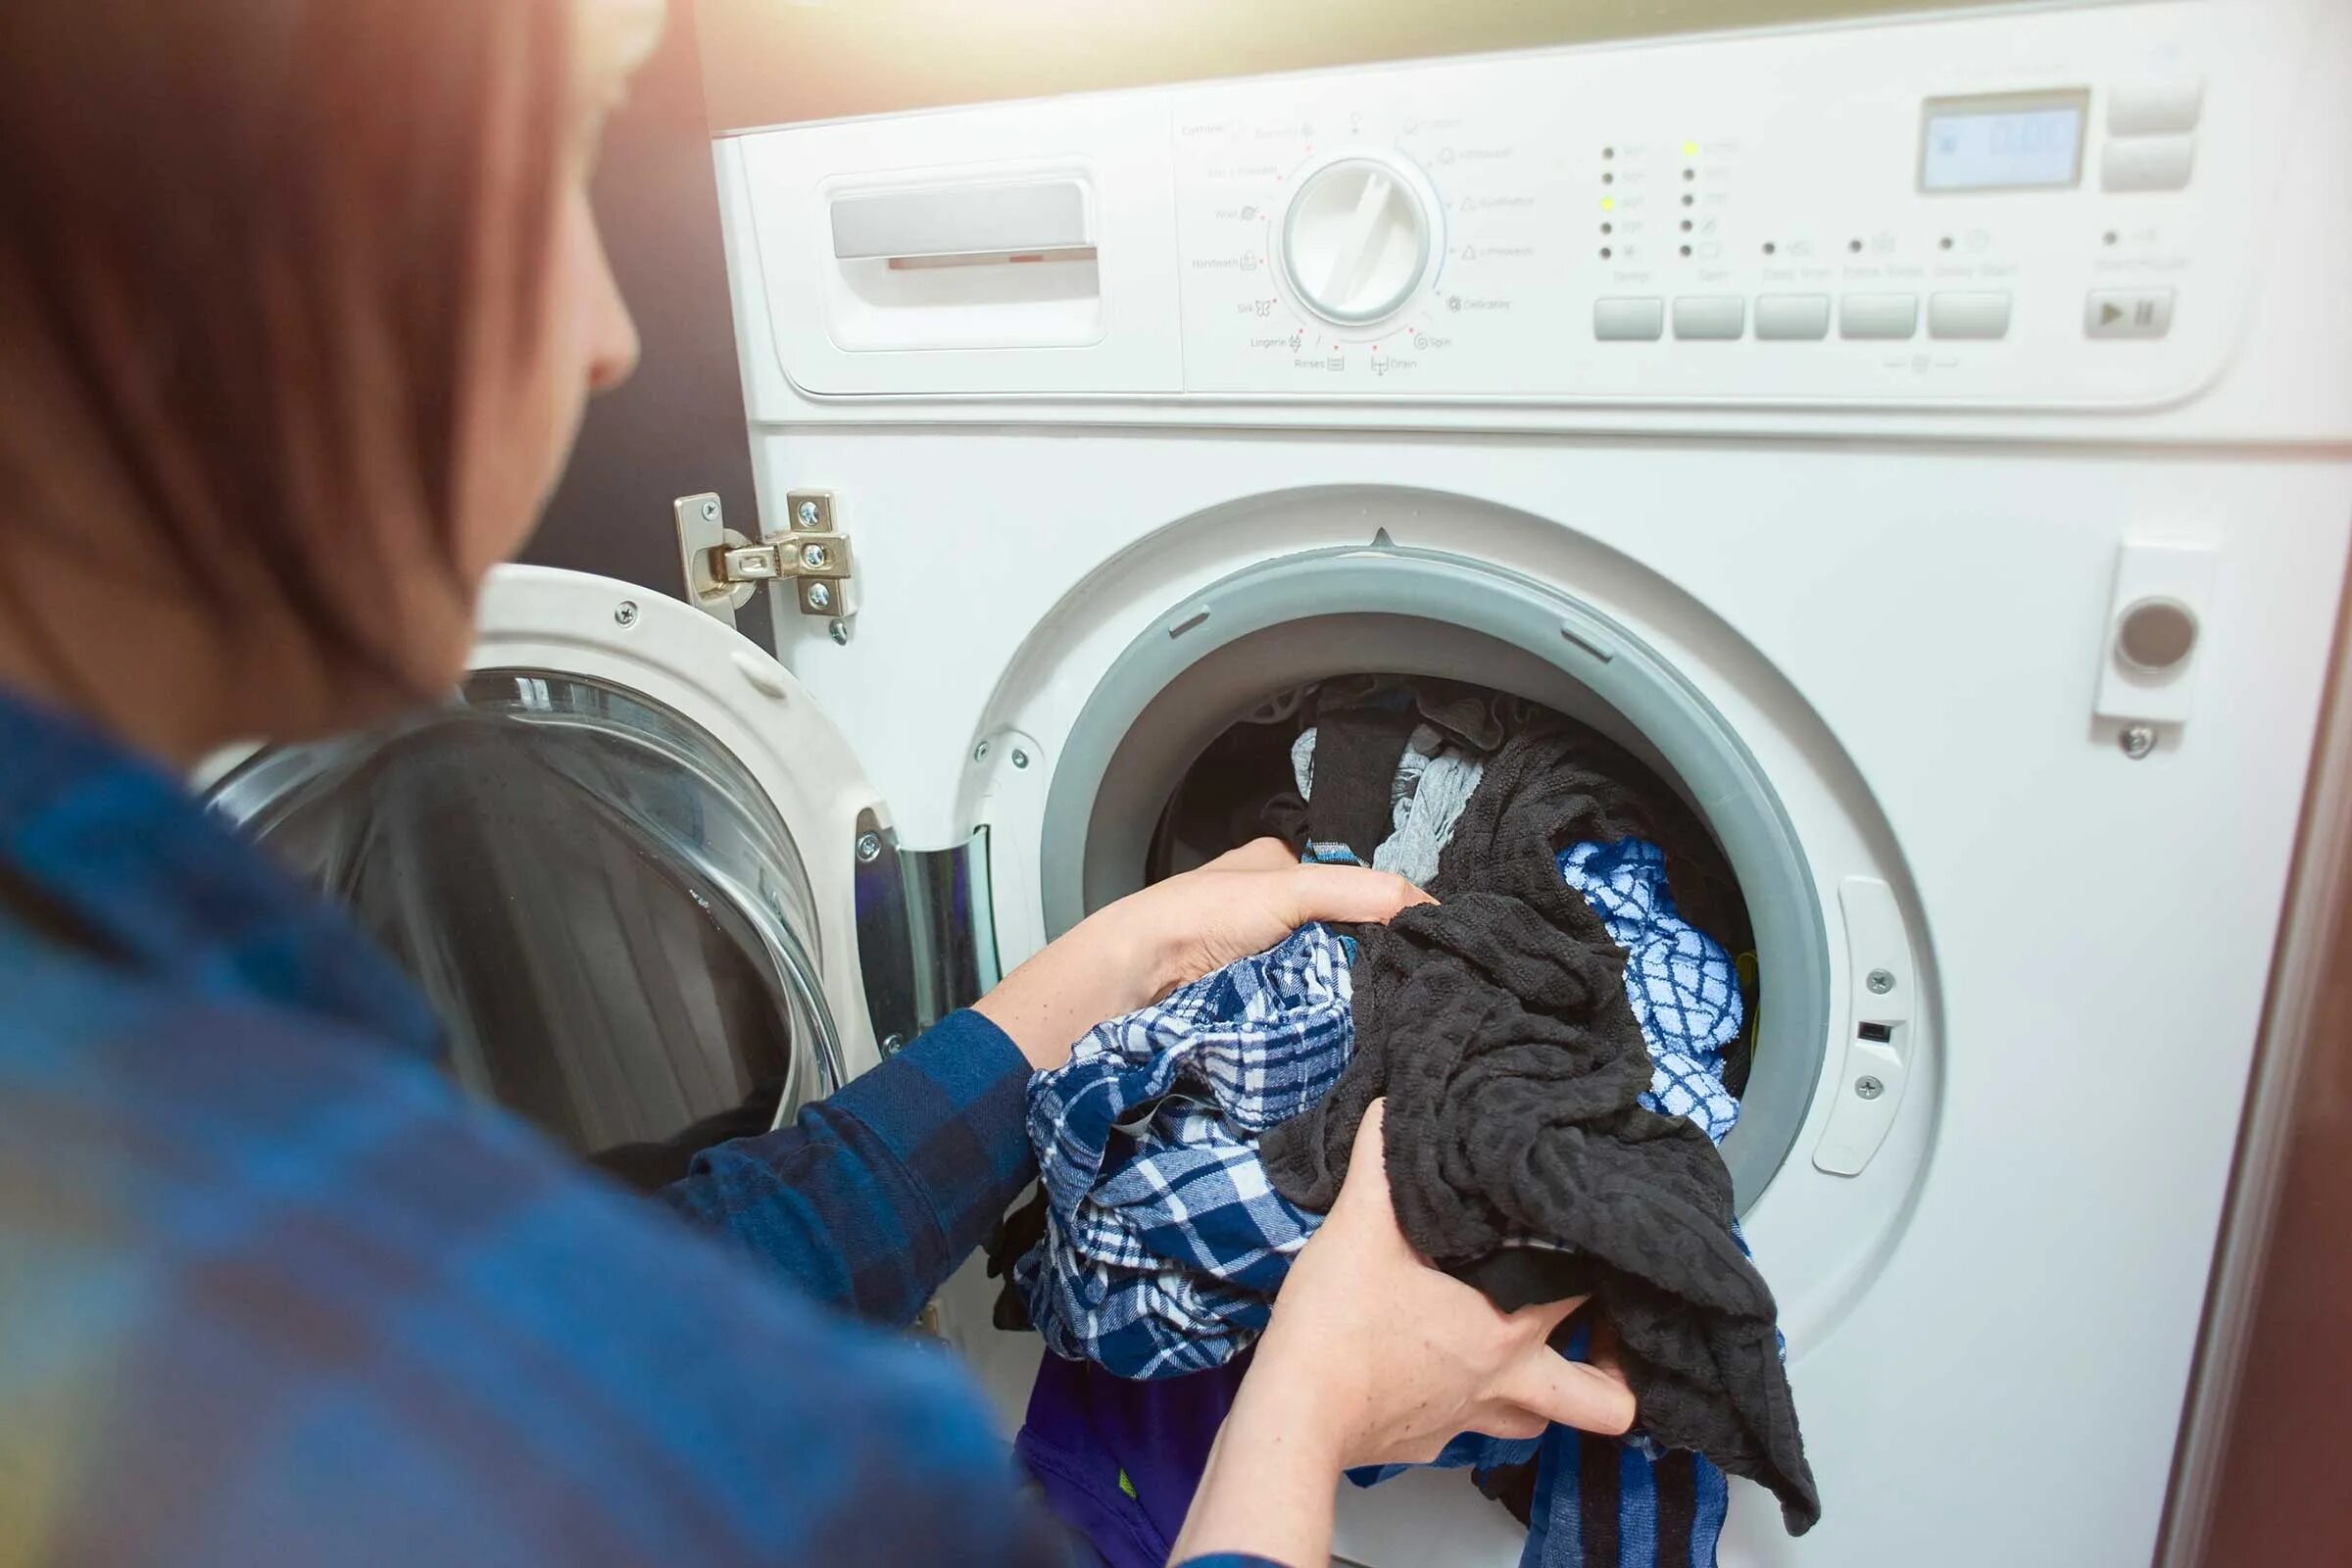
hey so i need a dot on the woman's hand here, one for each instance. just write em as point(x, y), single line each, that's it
point(1135, 951)
point(1375, 1357)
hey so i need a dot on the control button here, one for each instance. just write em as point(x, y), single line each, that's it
point(2128, 313)
point(2147, 162)
point(1785, 316)
point(1355, 242)
point(1968, 314)
point(2154, 635)
point(1629, 318)
point(1877, 316)
point(1710, 316)
point(2154, 108)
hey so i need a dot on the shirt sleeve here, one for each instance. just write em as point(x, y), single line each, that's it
point(1229, 1559)
point(329, 1312)
point(873, 1196)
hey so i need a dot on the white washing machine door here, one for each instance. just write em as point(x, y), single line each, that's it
point(624, 863)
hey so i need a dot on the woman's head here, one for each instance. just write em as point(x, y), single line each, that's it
point(299, 301)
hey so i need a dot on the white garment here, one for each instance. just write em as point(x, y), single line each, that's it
point(1435, 779)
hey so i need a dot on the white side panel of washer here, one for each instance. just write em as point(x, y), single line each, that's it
point(534, 617)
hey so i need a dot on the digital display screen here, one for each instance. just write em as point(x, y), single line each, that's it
point(2011, 142)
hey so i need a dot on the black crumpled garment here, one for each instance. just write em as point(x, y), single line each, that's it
point(1495, 1025)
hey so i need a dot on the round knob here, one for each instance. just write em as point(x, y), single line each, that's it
point(2154, 635)
point(1355, 241)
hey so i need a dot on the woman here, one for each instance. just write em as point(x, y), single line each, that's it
point(299, 302)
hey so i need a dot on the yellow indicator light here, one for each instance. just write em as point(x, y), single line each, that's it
point(1690, 149)
point(1608, 203)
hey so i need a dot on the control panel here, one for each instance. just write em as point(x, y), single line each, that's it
point(2048, 208)
point(1951, 212)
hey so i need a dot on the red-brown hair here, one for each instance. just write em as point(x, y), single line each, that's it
point(255, 261)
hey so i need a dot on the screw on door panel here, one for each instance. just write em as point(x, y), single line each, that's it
point(1868, 1088)
point(624, 613)
point(711, 511)
point(840, 631)
point(869, 848)
point(2137, 741)
point(1020, 758)
point(1879, 982)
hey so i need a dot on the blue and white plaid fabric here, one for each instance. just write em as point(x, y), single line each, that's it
point(1164, 1241)
point(1683, 990)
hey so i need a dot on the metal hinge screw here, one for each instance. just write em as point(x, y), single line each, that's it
point(624, 613)
point(1869, 1088)
point(817, 596)
point(869, 848)
point(812, 557)
point(709, 511)
point(806, 512)
point(1879, 982)
point(2137, 741)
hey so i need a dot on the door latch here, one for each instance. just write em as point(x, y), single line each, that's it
point(723, 567)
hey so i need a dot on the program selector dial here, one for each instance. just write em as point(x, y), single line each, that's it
point(1357, 240)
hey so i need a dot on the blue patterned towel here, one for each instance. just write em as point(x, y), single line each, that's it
point(1683, 990)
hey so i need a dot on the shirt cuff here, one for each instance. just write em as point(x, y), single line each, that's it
point(1229, 1559)
point(952, 1109)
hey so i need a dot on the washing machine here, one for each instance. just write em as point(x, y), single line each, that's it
point(1925, 440)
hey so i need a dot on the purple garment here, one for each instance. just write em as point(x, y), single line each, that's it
point(1119, 1460)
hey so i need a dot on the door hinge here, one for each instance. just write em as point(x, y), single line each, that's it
point(723, 567)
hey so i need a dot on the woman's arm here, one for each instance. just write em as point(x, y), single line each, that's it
point(873, 1197)
point(1375, 1357)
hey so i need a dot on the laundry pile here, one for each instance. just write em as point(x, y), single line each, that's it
point(1559, 1000)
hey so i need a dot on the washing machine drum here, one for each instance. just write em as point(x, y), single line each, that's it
point(1242, 786)
point(600, 909)
point(1147, 782)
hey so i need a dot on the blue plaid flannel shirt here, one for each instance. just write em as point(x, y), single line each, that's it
point(271, 1291)
point(1164, 1240)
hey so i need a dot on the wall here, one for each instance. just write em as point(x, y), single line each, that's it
point(677, 428)
point(772, 61)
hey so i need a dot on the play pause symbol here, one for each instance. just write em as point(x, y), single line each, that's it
point(2128, 313)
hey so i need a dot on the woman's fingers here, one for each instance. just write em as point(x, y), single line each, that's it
point(1367, 1183)
point(1350, 894)
point(1258, 855)
point(1549, 1316)
point(1504, 1420)
point(1571, 1393)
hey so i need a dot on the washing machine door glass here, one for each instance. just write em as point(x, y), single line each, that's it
point(603, 906)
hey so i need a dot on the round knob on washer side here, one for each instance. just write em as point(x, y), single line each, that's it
point(2155, 635)
point(1355, 240)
